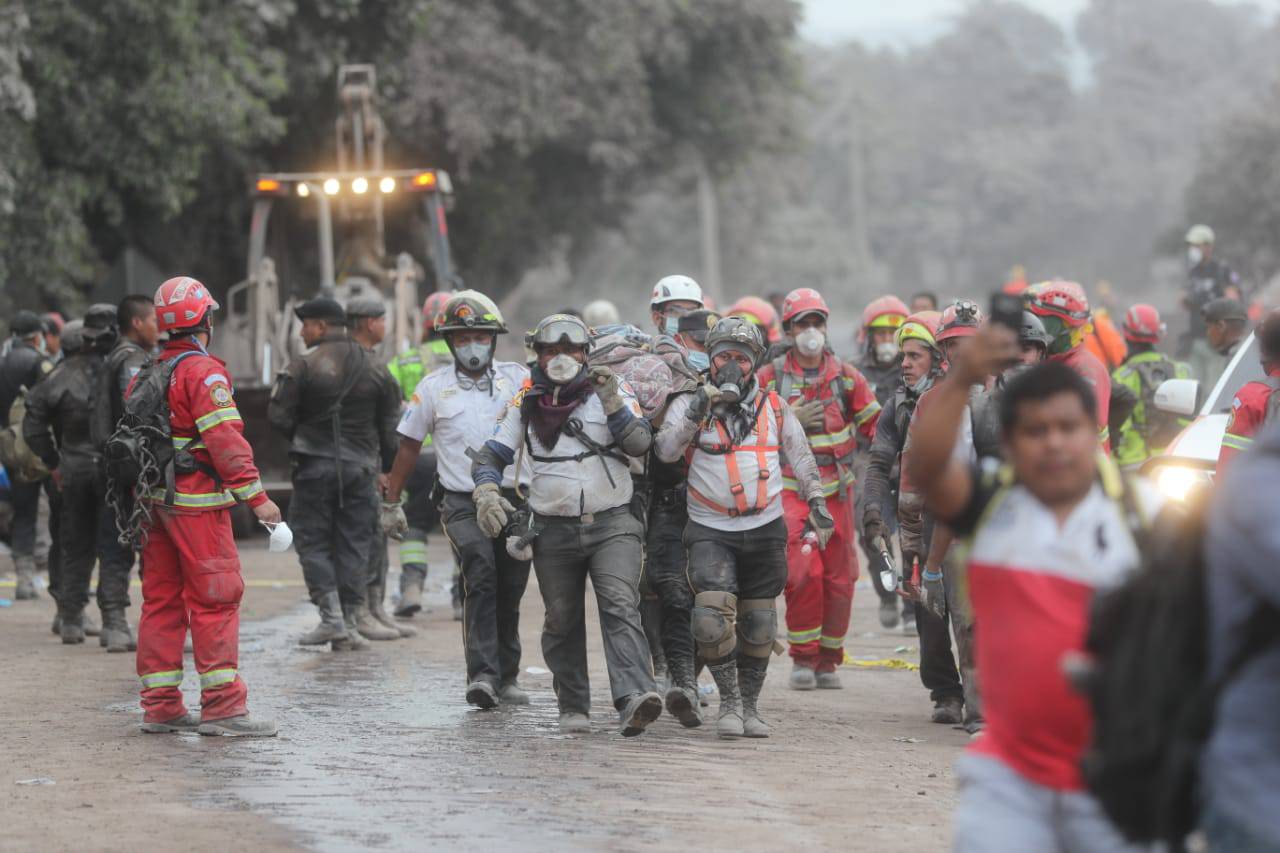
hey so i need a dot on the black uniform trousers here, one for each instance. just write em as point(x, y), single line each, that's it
point(333, 528)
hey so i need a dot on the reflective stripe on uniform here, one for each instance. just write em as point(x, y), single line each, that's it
point(168, 678)
point(798, 637)
point(182, 442)
point(218, 416)
point(831, 439)
point(217, 677)
point(831, 642)
point(872, 409)
point(413, 551)
point(1104, 434)
point(201, 500)
point(246, 492)
point(1237, 442)
point(829, 487)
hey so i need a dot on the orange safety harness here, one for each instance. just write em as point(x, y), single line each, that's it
point(771, 404)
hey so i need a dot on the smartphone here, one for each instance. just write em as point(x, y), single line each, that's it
point(1006, 309)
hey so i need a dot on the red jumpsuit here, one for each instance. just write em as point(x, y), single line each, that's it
point(819, 588)
point(1248, 414)
point(192, 569)
point(1095, 373)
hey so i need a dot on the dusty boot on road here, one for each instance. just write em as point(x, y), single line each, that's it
point(372, 629)
point(72, 629)
point(889, 612)
point(682, 695)
point(91, 626)
point(377, 607)
point(482, 695)
point(829, 681)
point(412, 579)
point(185, 723)
point(751, 673)
point(729, 722)
point(331, 626)
point(353, 642)
point(949, 711)
point(639, 711)
point(513, 694)
point(26, 585)
point(240, 726)
point(573, 723)
point(116, 635)
point(803, 677)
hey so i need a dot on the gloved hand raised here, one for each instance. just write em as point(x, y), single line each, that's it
point(392, 521)
point(821, 522)
point(703, 399)
point(810, 414)
point(606, 385)
point(492, 509)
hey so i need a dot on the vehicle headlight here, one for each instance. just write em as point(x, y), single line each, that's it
point(1176, 482)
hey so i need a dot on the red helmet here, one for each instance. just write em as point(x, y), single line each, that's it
point(183, 303)
point(760, 312)
point(433, 306)
point(1058, 298)
point(1142, 324)
point(803, 300)
point(885, 312)
point(960, 319)
point(920, 326)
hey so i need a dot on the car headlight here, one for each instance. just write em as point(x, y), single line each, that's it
point(1176, 482)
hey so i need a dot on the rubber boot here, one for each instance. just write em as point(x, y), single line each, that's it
point(751, 672)
point(240, 726)
point(72, 628)
point(377, 593)
point(682, 695)
point(412, 578)
point(25, 589)
point(370, 628)
point(353, 642)
point(729, 722)
point(331, 626)
point(116, 635)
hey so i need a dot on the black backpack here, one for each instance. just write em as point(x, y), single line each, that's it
point(139, 457)
point(1152, 699)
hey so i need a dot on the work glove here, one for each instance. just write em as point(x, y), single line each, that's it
point(492, 509)
point(606, 385)
point(392, 521)
point(703, 398)
point(933, 594)
point(873, 528)
point(821, 522)
point(810, 414)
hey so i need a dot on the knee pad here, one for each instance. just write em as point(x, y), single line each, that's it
point(758, 626)
point(712, 622)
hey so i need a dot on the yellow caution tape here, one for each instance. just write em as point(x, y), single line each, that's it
point(882, 663)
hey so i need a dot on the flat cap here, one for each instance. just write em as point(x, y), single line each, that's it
point(321, 308)
point(25, 323)
point(1224, 309)
point(366, 306)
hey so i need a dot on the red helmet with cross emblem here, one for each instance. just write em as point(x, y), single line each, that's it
point(1142, 324)
point(183, 303)
point(801, 301)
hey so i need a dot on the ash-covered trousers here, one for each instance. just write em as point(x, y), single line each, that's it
point(608, 549)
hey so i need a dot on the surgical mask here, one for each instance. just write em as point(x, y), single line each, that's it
point(1195, 255)
point(811, 341)
point(563, 368)
point(699, 361)
point(729, 380)
point(886, 352)
point(473, 356)
point(281, 536)
point(671, 324)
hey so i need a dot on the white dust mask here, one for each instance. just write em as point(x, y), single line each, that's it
point(811, 341)
point(563, 368)
point(281, 536)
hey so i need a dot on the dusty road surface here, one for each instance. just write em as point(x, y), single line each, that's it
point(379, 751)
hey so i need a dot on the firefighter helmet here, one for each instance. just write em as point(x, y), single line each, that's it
point(676, 288)
point(735, 333)
point(801, 301)
point(884, 312)
point(560, 329)
point(1058, 298)
point(183, 303)
point(469, 310)
point(920, 326)
point(433, 305)
point(1032, 331)
point(1142, 324)
point(960, 319)
point(759, 312)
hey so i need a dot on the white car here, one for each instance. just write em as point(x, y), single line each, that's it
point(1191, 459)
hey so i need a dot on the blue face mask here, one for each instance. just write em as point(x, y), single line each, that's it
point(699, 361)
point(671, 324)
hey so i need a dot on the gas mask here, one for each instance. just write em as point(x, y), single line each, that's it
point(563, 368)
point(1194, 256)
point(699, 361)
point(886, 353)
point(473, 356)
point(731, 382)
point(811, 341)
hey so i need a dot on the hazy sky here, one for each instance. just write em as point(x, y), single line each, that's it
point(911, 21)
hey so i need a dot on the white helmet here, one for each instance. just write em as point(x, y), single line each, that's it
point(601, 312)
point(676, 288)
point(1200, 235)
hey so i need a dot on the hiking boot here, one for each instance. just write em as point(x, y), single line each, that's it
point(751, 673)
point(72, 629)
point(116, 634)
point(352, 642)
point(91, 626)
point(240, 726)
point(889, 612)
point(372, 629)
point(639, 710)
point(829, 681)
point(25, 589)
point(909, 621)
point(682, 696)
point(729, 721)
point(482, 695)
point(513, 694)
point(412, 578)
point(331, 626)
point(378, 609)
point(949, 711)
point(185, 723)
point(573, 723)
point(802, 677)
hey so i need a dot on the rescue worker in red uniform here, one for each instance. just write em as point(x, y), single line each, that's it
point(192, 569)
point(1256, 403)
point(834, 403)
point(1063, 307)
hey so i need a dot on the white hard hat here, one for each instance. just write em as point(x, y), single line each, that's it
point(602, 312)
point(1200, 235)
point(676, 288)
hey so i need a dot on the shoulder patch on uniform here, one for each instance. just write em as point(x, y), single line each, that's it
point(221, 395)
point(215, 377)
point(517, 398)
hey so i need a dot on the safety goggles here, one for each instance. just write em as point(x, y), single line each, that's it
point(560, 332)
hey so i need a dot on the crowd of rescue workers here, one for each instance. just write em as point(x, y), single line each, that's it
point(694, 466)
